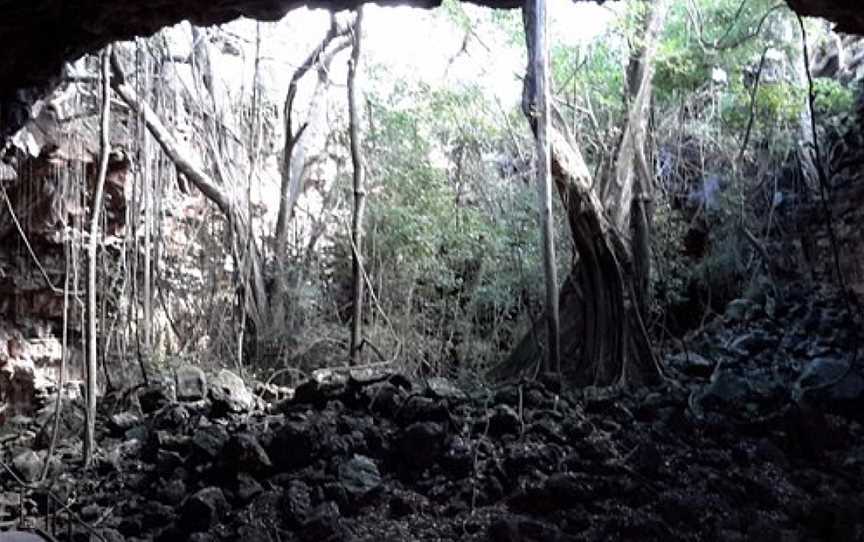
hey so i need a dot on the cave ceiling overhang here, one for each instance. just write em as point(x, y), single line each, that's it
point(40, 35)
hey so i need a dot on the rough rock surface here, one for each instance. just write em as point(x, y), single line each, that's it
point(759, 448)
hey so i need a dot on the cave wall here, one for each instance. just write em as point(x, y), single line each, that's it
point(50, 212)
point(803, 237)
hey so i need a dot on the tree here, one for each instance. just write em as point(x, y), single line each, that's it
point(90, 370)
point(359, 192)
point(294, 168)
point(539, 65)
point(602, 331)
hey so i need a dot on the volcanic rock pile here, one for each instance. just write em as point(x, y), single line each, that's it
point(757, 437)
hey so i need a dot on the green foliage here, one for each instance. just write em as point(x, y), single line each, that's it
point(453, 240)
point(831, 98)
point(775, 105)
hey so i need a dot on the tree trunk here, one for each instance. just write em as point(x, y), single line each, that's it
point(603, 338)
point(294, 167)
point(104, 151)
point(359, 192)
point(258, 302)
point(539, 63)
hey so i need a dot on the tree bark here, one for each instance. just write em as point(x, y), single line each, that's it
point(294, 168)
point(257, 303)
point(294, 165)
point(359, 191)
point(540, 67)
point(603, 337)
point(91, 368)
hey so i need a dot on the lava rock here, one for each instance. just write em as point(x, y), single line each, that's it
point(833, 384)
point(421, 444)
point(317, 392)
point(190, 383)
point(295, 445)
point(155, 397)
point(171, 492)
point(246, 488)
point(504, 421)
point(243, 453)
point(806, 430)
point(209, 441)
point(359, 477)
point(739, 310)
point(324, 524)
point(297, 502)
point(692, 364)
point(421, 409)
point(726, 390)
point(154, 514)
point(517, 529)
point(383, 398)
point(406, 503)
point(458, 459)
point(173, 417)
point(752, 343)
point(443, 388)
point(204, 509)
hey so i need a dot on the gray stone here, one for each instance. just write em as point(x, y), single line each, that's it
point(190, 383)
point(229, 393)
point(751, 343)
point(297, 501)
point(832, 383)
point(725, 390)
point(443, 388)
point(739, 310)
point(28, 465)
point(204, 509)
point(245, 454)
point(210, 440)
point(692, 364)
point(822, 372)
point(122, 422)
point(359, 476)
point(247, 488)
point(421, 444)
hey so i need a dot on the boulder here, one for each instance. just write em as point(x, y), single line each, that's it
point(155, 397)
point(504, 421)
point(739, 310)
point(209, 441)
point(692, 364)
point(295, 445)
point(244, 453)
point(190, 383)
point(28, 465)
point(443, 388)
point(121, 422)
point(230, 394)
point(204, 509)
point(296, 503)
point(359, 477)
point(421, 444)
point(726, 390)
point(833, 384)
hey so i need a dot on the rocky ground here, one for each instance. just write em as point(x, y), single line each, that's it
point(757, 438)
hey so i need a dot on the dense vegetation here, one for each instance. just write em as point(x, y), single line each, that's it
point(452, 253)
